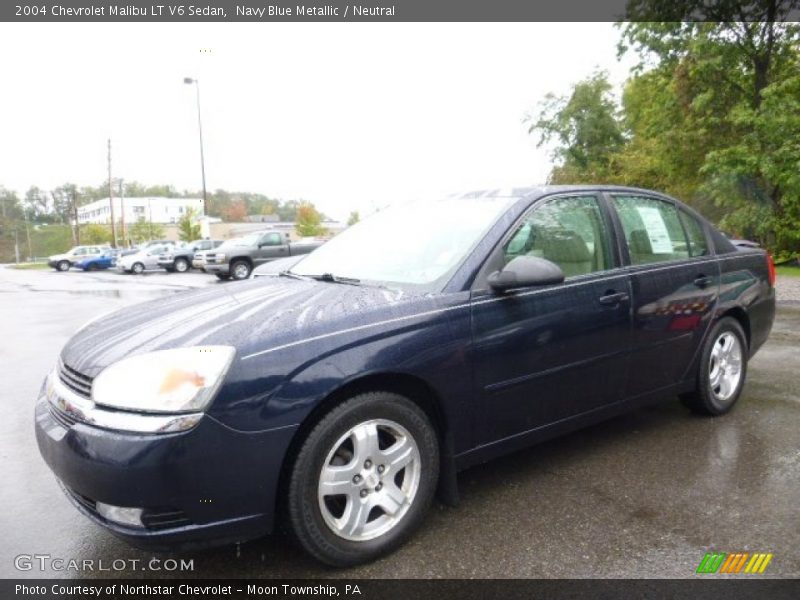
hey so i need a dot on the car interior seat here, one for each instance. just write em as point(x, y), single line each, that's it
point(567, 249)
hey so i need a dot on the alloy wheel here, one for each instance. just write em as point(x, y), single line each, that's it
point(725, 366)
point(369, 480)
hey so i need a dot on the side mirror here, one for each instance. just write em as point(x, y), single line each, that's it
point(525, 271)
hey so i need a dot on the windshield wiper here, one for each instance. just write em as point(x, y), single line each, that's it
point(288, 273)
point(331, 278)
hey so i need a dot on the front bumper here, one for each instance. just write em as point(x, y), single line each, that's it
point(213, 483)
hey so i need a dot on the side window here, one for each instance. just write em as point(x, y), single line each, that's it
point(570, 232)
point(271, 239)
point(698, 246)
point(652, 229)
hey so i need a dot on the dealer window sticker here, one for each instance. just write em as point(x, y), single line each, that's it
point(653, 220)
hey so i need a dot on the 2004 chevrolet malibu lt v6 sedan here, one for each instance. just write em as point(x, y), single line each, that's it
point(336, 397)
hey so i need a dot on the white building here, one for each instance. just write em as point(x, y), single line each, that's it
point(153, 208)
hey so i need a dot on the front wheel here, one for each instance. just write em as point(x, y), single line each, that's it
point(137, 268)
point(240, 269)
point(181, 265)
point(723, 367)
point(363, 479)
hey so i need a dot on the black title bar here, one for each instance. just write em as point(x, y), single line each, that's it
point(380, 10)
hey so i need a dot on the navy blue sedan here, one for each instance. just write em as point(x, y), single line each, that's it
point(337, 396)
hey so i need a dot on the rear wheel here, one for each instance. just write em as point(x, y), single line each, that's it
point(63, 265)
point(723, 367)
point(363, 479)
point(240, 269)
point(181, 265)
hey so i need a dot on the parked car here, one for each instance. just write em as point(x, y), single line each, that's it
point(63, 262)
point(106, 260)
point(144, 245)
point(236, 258)
point(141, 261)
point(355, 384)
point(180, 258)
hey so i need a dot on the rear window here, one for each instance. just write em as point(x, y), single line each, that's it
point(698, 245)
point(652, 229)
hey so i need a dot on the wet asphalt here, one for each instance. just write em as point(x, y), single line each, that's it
point(643, 495)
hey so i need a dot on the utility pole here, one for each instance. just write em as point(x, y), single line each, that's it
point(111, 199)
point(122, 215)
point(196, 83)
point(28, 234)
point(75, 215)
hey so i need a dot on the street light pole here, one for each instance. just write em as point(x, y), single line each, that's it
point(190, 81)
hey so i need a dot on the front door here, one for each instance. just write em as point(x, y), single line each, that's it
point(271, 246)
point(549, 353)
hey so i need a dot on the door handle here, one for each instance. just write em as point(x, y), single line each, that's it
point(613, 298)
point(702, 281)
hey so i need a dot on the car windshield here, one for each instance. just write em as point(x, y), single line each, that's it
point(418, 244)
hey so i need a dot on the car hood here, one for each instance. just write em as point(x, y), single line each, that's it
point(248, 315)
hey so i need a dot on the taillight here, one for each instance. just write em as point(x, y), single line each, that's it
point(771, 270)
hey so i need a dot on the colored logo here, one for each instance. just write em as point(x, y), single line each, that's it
point(737, 562)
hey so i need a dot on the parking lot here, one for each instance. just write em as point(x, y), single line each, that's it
point(643, 495)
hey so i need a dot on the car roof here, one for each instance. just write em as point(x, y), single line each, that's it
point(536, 191)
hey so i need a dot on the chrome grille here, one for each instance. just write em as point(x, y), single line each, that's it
point(77, 382)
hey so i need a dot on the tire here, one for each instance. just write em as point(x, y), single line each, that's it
point(181, 265)
point(723, 369)
point(240, 269)
point(137, 268)
point(383, 420)
point(222, 276)
point(63, 265)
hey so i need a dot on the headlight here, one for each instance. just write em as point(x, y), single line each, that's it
point(220, 257)
point(166, 381)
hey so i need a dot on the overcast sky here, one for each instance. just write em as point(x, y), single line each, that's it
point(349, 116)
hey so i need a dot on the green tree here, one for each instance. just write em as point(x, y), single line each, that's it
point(353, 218)
point(585, 129)
point(95, 233)
point(710, 115)
point(309, 220)
point(143, 231)
point(188, 227)
point(731, 97)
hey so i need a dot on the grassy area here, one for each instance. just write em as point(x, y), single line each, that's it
point(787, 271)
point(29, 266)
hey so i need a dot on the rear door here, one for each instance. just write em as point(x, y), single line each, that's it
point(548, 353)
point(675, 285)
